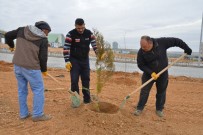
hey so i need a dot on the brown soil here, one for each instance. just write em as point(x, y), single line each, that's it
point(103, 107)
point(183, 109)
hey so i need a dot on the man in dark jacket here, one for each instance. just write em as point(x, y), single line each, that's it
point(151, 59)
point(30, 59)
point(76, 55)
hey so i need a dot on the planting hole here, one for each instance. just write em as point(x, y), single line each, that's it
point(104, 107)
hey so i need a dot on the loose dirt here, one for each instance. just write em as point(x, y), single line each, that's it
point(183, 110)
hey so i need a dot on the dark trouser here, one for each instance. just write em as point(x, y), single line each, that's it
point(80, 68)
point(161, 85)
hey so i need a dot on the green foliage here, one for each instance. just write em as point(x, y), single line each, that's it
point(104, 63)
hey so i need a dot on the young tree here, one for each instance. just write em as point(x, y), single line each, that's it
point(104, 63)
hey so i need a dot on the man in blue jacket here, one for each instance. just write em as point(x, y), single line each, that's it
point(151, 59)
point(76, 55)
point(30, 62)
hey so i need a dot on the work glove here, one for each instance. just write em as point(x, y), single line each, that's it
point(68, 66)
point(11, 49)
point(188, 51)
point(102, 57)
point(154, 76)
point(44, 73)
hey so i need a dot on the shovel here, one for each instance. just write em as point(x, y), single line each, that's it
point(54, 79)
point(75, 98)
point(166, 68)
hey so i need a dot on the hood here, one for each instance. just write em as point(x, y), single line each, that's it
point(155, 43)
point(33, 33)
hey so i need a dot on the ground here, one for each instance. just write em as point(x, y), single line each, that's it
point(183, 109)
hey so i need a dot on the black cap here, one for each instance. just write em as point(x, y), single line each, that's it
point(43, 25)
point(79, 21)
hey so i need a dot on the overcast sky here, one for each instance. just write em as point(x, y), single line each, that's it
point(115, 19)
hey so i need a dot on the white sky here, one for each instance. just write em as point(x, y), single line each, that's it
point(115, 19)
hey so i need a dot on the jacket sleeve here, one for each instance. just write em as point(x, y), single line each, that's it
point(10, 36)
point(93, 43)
point(142, 65)
point(66, 47)
point(43, 55)
point(175, 42)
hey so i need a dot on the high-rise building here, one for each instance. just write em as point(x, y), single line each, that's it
point(115, 45)
point(201, 50)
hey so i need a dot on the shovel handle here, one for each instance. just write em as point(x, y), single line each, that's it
point(166, 68)
point(54, 79)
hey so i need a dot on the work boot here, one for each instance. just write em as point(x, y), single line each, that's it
point(29, 115)
point(44, 117)
point(137, 112)
point(159, 113)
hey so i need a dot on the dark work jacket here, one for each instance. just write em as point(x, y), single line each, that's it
point(80, 44)
point(156, 59)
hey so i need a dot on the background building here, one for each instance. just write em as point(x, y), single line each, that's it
point(201, 51)
point(56, 40)
point(2, 35)
point(115, 45)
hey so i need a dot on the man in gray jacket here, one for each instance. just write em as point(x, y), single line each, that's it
point(30, 60)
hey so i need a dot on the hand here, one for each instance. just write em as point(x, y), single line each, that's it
point(103, 56)
point(154, 76)
point(11, 49)
point(44, 73)
point(68, 66)
point(188, 51)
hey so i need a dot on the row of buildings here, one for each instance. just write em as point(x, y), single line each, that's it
point(58, 40)
point(55, 40)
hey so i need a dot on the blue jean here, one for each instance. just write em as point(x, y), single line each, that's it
point(34, 77)
point(81, 68)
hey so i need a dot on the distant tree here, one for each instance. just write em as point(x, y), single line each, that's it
point(2, 31)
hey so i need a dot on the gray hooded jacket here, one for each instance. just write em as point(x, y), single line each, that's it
point(31, 47)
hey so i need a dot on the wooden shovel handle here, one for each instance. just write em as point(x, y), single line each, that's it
point(166, 68)
point(54, 79)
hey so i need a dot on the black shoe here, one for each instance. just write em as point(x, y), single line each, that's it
point(87, 101)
